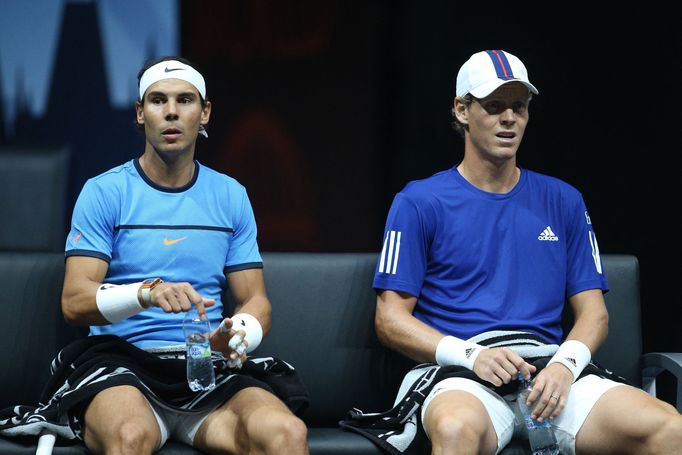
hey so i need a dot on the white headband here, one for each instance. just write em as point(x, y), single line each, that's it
point(172, 69)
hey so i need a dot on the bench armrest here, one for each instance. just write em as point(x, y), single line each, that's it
point(653, 363)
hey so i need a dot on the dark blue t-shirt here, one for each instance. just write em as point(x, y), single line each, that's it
point(479, 261)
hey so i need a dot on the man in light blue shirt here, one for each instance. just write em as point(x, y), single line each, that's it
point(153, 238)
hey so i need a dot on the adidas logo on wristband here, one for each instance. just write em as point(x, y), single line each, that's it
point(574, 355)
point(454, 351)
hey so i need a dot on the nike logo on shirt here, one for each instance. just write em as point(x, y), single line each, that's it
point(167, 241)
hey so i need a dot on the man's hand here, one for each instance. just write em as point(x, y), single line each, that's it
point(230, 342)
point(178, 298)
point(550, 391)
point(501, 365)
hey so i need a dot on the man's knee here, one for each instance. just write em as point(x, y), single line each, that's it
point(446, 430)
point(667, 438)
point(288, 431)
point(459, 418)
point(134, 438)
point(130, 438)
point(120, 418)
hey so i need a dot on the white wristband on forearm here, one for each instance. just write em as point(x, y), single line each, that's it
point(250, 325)
point(454, 351)
point(574, 355)
point(118, 302)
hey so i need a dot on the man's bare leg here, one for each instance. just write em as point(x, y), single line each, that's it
point(253, 422)
point(458, 423)
point(120, 421)
point(626, 420)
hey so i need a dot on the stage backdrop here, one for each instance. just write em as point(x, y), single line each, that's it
point(325, 109)
point(68, 76)
point(296, 90)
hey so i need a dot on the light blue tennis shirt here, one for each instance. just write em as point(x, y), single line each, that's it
point(194, 234)
point(479, 261)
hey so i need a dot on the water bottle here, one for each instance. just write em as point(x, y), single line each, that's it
point(200, 374)
point(540, 434)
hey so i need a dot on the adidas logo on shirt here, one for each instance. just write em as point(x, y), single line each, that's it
point(548, 235)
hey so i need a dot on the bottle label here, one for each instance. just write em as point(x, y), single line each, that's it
point(197, 352)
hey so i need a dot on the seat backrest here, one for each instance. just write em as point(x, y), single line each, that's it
point(323, 323)
point(33, 189)
point(32, 328)
point(622, 350)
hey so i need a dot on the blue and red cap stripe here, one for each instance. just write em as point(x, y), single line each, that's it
point(501, 64)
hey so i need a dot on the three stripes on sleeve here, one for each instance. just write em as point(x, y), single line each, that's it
point(390, 252)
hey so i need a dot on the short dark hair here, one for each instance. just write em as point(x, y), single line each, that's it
point(151, 62)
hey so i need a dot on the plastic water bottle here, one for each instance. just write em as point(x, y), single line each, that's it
point(540, 434)
point(200, 374)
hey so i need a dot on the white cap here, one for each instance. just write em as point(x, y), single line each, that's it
point(172, 69)
point(485, 71)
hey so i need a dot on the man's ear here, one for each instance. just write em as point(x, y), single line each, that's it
point(461, 111)
point(206, 113)
point(139, 113)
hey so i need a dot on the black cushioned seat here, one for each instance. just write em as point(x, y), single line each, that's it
point(323, 313)
point(33, 187)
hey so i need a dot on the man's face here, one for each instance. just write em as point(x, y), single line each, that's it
point(498, 121)
point(171, 115)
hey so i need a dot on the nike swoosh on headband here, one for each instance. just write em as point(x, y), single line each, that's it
point(163, 70)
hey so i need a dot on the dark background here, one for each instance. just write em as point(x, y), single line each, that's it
point(325, 109)
point(352, 100)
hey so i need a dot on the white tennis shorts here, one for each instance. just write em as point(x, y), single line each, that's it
point(581, 399)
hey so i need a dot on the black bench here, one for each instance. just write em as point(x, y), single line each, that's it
point(323, 323)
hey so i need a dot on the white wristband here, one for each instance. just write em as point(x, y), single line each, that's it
point(574, 355)
point(250, 325)
point(454, 351)
point(118, 302)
